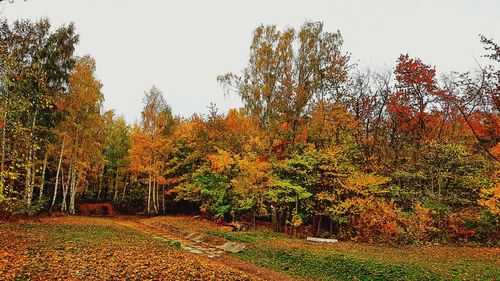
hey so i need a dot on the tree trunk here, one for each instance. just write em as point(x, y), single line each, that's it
point(101, 175)
point(42, 178)
point(2, 163)
point(254, 219)
point(319, 226)
point(29, 166)
point(149, 195)
point(155, 198)
point(124, 188)
point(28, 182)
point(73, 186)
point(163, 198)
point(64, 207)
point(57, 176)
point(116, 188)
point(273, 218)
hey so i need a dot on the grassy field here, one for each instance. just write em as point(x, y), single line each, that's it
point(350, 260)
point(78, 248)
point(81, 248)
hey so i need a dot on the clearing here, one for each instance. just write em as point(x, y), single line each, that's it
point(187, 248)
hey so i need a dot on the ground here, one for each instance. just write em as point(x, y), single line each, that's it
point(187, 248)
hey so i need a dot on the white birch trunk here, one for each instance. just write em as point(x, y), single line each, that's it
point(149, 195)
point(73, 188)
point(29, 167)
point(57, 176)
point(64, 206)
point(42, 178)
point(3, 152)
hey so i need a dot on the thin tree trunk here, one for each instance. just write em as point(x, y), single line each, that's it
point(254, 219)
point(274, 219)
point(155, 198)
point(57, 176)
point(73, 187)
point(3, 151)
point(439, 199)
point(101, 175)
point(27, 183)
point(149, 195)
point(42, 179)
point(29, 167)
point(116, 188)
point(64, 206)
point(319, 225)
point(124, 188)
point(163, 198)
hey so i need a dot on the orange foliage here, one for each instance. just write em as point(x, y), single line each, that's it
point(377, 220)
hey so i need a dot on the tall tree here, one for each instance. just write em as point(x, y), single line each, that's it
point(287, 73)
point(148, 145)
point(37, 77)
point(82, 129)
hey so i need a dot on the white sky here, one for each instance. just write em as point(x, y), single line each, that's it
point(181, 46)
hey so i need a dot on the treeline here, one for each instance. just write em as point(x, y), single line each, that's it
point(320, 146)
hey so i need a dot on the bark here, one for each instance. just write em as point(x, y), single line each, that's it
point(254, 219)
point(101, 175)
point(155, 199)
point(29, 167)
point(319, 226)
point(163, 198)
point(73, 186)
point(64, 206)
point(273, 219)
point(3, 150)
point(116, 189)
point(149, 195)
point(57, 176)
point(124, 189)
point(28, 182)
point(42, 178)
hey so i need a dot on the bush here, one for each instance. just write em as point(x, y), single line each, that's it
point(419, 225)
point(377, 221)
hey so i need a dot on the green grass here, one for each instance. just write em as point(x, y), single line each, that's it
point(333, 267)
point(245, 236)
point(296, 258)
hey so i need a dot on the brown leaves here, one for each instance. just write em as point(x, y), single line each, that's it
point(92, 251)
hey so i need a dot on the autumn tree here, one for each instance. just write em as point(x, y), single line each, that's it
point(148, 147)
point(81, 131)
point(287, 73)
point(36, 65)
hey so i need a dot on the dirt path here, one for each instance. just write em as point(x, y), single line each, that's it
point(200, 248)
point(191, 246)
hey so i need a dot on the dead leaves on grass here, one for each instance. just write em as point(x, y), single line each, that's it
point(30, 254)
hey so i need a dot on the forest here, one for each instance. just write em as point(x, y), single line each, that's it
point(321, 147)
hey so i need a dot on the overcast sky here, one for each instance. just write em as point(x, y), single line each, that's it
point(181, 46)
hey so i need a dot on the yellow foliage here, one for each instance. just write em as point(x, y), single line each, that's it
point(221, 162)
point(491, 196)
